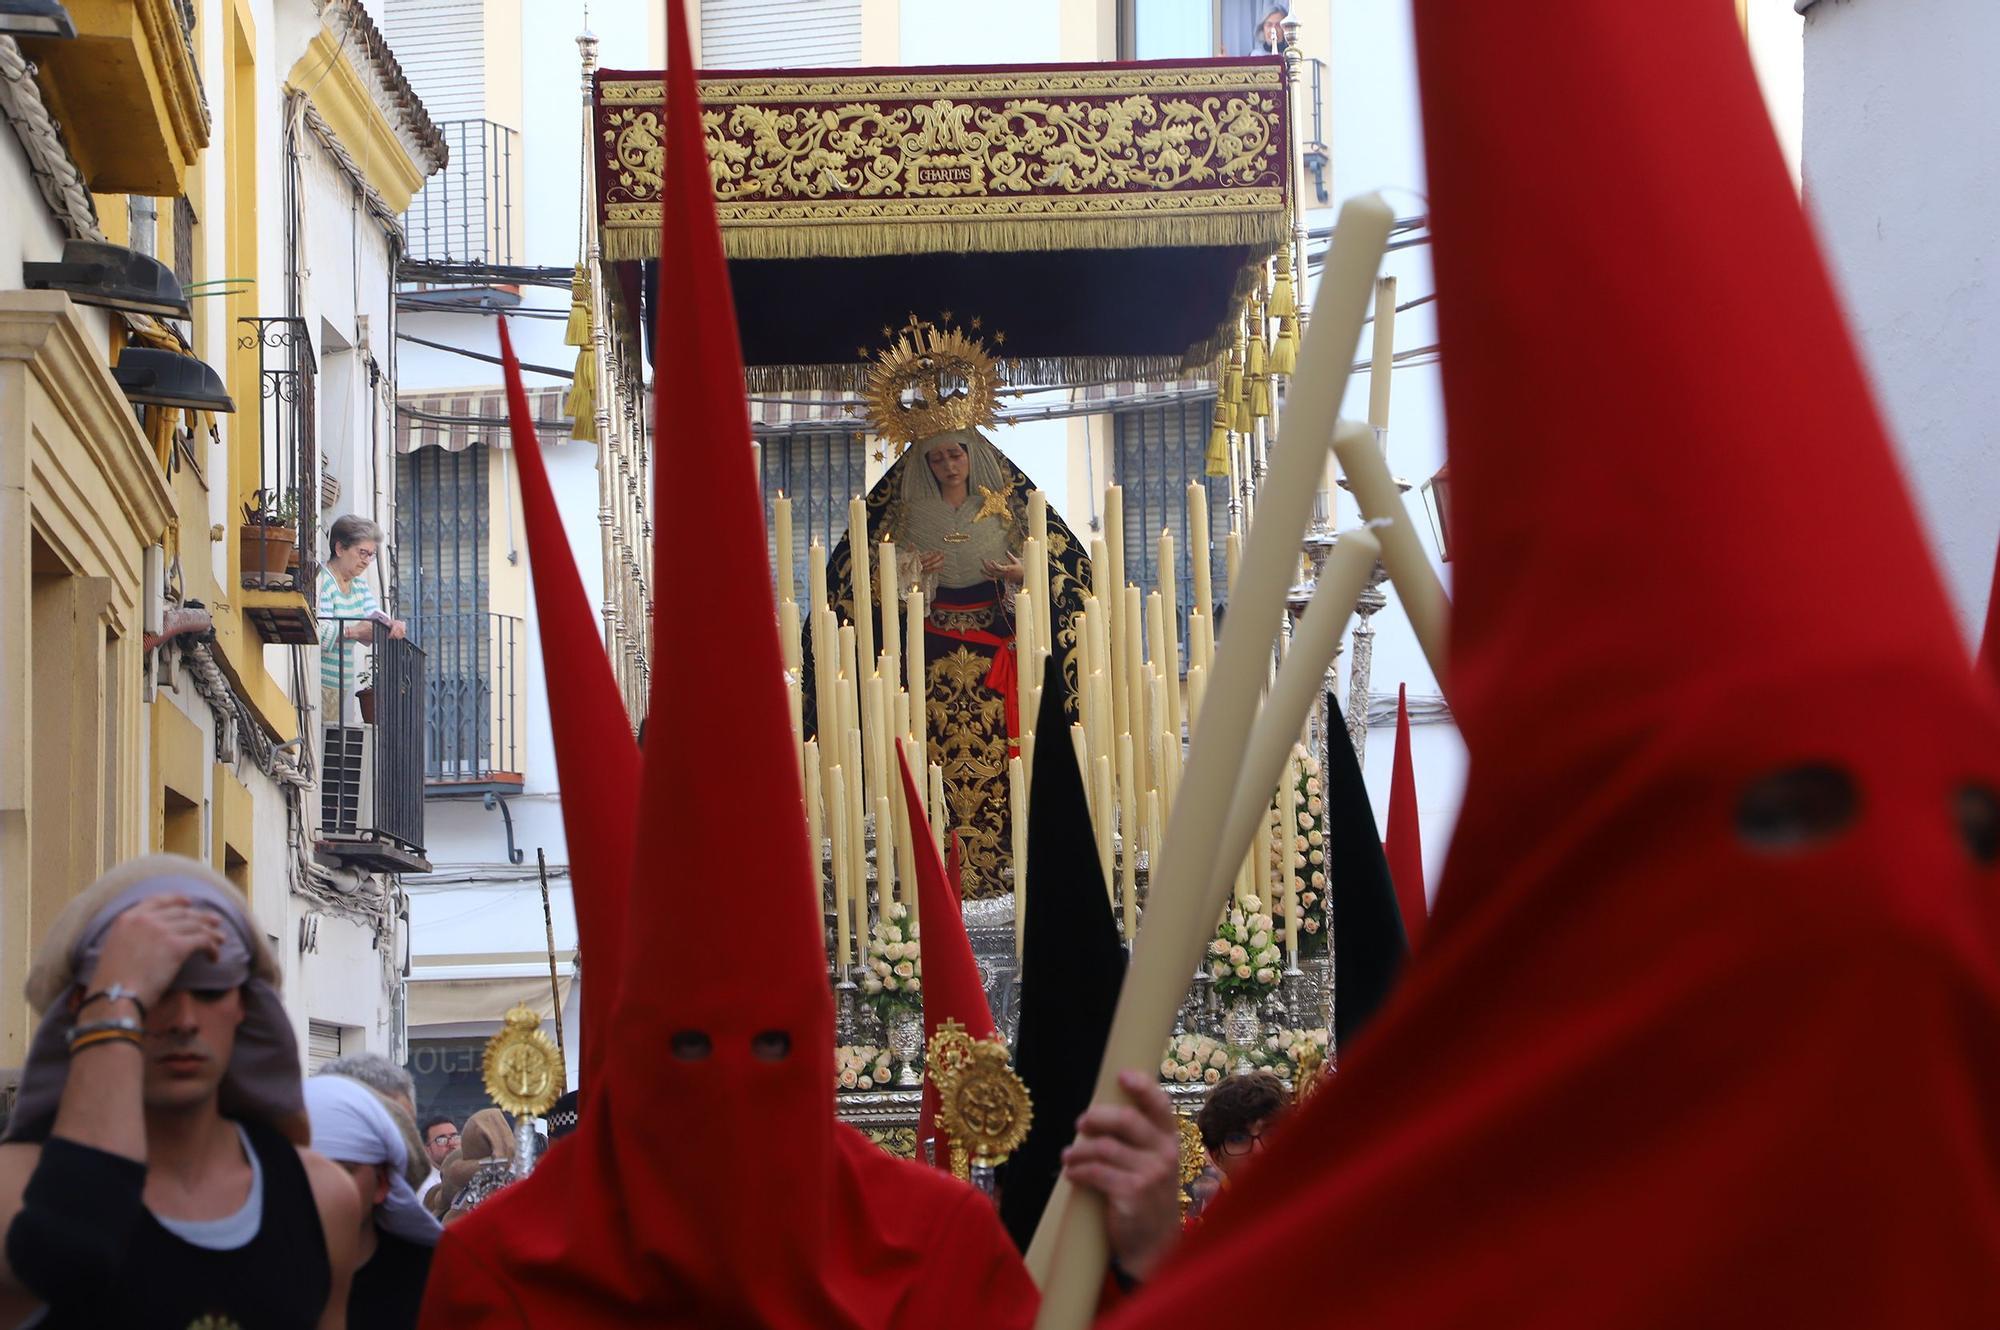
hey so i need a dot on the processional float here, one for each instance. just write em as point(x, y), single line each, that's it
point(909, 249)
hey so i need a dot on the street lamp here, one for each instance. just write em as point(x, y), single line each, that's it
point(1437, 504)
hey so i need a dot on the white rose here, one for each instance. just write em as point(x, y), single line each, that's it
point(916, 931)
point(1219, 947)
point(1267, 976)
point(1302, 843)
point(1242, 972)
point(1315, 857)
point(1259, 941)
point(891, 934)
point(1181, 1073)
point(1319, 879)
point(1316, 805)
point(894, 951)
point(867, 1083)
point(914, 985)
point(1298, 860)
point(1167, 1067)
point(1308, 898)
point(848, 1080)
point(1312, 785)
point(1305, 821)
point(1237, 955)
point(890, 983)
point(1219, 970)
point(1310, 925)
point(905, 970)
point(1211, 1076)
point(871, 985)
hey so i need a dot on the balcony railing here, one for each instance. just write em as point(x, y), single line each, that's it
point(280, 532)
point(371, 765)
point(465, 213)
point(473, 700)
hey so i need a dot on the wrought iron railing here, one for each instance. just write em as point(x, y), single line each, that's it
point(473, 699)
point(281, 517)
point(371, 769)
point(1317, 155)
point(465, 213)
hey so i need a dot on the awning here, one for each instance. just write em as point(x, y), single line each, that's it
point(454, 1001)
point(1103, 218)
point(456, 420)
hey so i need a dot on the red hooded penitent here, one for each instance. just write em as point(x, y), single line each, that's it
point(1404, 844)
point(708, 1183)
point(1704, 1028)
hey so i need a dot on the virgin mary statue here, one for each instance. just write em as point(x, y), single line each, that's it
point(957, 510)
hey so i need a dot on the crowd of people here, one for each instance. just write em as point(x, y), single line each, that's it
point(168, 1159)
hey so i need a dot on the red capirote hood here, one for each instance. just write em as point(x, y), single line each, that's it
point(1703, 1028)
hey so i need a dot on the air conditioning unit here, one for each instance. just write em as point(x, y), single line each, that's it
point(347, 781)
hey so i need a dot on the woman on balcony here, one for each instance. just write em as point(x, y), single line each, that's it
point(349, 611)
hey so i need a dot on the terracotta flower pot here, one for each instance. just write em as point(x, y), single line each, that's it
point(365, 699)
point(266, 550)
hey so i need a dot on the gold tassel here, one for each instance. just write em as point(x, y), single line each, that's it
point(581, 402)
point(577, 331)
point(1218, 441)
point(1256, 367)
point(1260, 397)
point(1283, 303)
point(1285, 353)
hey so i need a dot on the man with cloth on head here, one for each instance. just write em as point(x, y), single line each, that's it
point(155, 1171)
point(352, 1127)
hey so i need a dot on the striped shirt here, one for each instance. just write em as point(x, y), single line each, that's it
point(357, 602)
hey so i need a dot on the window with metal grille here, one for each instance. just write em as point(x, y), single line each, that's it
point(442, 521)
point(820, 471)
point(1155, 452)
point(184, 242)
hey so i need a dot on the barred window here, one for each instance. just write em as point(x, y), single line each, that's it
point(1155, 452)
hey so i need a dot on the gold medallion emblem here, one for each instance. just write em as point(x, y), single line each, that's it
point(982, 1105)
point(524, 1073)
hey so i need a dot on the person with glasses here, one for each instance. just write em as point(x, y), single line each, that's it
point(440, 1135)
point(1237, 1121)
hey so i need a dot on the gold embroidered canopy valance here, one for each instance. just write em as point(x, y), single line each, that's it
point(905, 161)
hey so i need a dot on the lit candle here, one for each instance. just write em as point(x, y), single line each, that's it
point(913, 669)
point(788, 634)
point(781, 522)
point(938, 811)
point(906, 852)
point(1198, 555)
point(814, 833)
point(1072, 1235)
point(1134, 685)
point(892, 631)
point(1106, 815)
point(842, 920)
point(864, 616)
point(1114, 543)
point(1169, 589)
point(1017, 810)
point(1128, 829)
point(857, 840)
point(816, 580)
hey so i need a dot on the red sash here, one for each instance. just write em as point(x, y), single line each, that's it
point(1003, 678)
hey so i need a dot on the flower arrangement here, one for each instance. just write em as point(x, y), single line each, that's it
point(892, 974)
point(1194, 1059)
point(1304, 851)
point(1281, 1050)
point(861, 1067)
point(1245, 959)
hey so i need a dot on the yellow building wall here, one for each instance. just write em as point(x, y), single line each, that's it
point(81, 498)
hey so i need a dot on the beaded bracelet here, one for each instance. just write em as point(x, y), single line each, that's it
point(103, 1037)
point(121, 1023)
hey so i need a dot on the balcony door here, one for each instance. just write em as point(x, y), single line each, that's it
point(443, 539)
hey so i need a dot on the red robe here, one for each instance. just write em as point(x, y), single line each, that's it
point(1706, 1027)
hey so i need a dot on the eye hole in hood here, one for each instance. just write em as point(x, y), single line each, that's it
point(1797, 809)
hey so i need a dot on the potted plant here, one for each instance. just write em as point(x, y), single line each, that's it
point(364, 694)
point(269, 535)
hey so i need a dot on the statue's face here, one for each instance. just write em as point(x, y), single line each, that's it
point(949, 464)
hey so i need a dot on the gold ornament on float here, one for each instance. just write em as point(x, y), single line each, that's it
point(524, 1073)
point(983, 1107)
point(931, 380)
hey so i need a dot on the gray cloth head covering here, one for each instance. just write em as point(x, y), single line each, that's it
point(262, 1080)
point(351, 1125)
point(925, 521)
